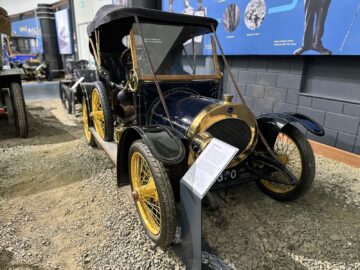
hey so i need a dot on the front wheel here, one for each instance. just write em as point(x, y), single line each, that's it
point(152, 193)
point(294, 151)
point(18, 102)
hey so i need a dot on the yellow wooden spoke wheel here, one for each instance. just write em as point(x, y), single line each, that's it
point(98, 114)
point(294, 151)
point(152, 194)
point(101, 112)
point(88, 136)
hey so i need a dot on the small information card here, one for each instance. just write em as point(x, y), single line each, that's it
point(208, 166)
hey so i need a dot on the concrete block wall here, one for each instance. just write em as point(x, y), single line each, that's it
point(274, 84)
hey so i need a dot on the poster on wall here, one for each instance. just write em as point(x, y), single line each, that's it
point(29, 29)
point(124, 3)
point(63, 31)
point(280, 27)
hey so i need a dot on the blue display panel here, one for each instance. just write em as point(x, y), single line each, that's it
point(280, 27)
point(29, 28)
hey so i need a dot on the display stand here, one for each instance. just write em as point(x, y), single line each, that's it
point(193, 187)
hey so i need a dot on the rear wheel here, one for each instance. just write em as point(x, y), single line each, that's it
point(152, 193)
point(21, 123)
point(294, 151)
point(101, 112)
point(85, 116)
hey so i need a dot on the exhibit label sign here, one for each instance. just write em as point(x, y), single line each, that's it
point(208, 166)
point(280, 27)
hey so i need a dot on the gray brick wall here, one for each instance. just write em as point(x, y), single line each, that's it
point(274, 84)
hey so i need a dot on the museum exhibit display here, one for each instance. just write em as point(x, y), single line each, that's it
point(163, 109)
point(292, 27)
point(69, 90)
point(12, 104)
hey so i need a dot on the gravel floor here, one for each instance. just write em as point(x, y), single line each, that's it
point(60, 208)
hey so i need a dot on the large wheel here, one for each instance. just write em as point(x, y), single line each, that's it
point(295, 152)
point(101, 112)
point(65, 99)
point(85, 116)
point(152, 193)
point(21, 123)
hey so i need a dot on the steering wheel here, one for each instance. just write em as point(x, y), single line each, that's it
point(126, 60)
point(81, 64)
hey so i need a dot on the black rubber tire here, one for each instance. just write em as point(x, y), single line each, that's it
point(105, 105)
point(165, 193)
point(308, 167)
point(65, 99)
point(20, 116)
point(90, 141)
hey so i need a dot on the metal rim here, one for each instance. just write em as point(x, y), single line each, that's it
point(98, 114)
point(288, 153)
point(145, 193)
point(86, 121)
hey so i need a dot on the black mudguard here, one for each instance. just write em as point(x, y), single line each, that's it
point(272, 123)
point(164, 143)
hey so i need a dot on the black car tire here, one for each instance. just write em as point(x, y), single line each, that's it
point(20, 116)
point(89, 138)
point(307, 174)
point(164, 190)
point(106, 109)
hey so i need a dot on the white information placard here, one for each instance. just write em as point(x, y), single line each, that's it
point(209, 165)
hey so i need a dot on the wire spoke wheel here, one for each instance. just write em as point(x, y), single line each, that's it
point(152, 194)
point(145, 194)
point(293, 151)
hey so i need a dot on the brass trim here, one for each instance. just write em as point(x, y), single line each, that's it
point(133, 52)
point(216, 59)
point(216, 112)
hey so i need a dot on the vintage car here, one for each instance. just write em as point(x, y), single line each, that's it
point(69, 90)
point(161, 102)
point(22, 55)
point(12, 103)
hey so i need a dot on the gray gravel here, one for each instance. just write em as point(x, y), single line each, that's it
point(60, 208)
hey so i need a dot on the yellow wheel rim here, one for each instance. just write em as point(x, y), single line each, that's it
point(289, 155)
point(98, 114)
point(86, 121)
point(145, 193)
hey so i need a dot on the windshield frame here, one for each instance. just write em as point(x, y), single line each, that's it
point(216, 76)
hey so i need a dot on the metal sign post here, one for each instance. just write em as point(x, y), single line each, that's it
point(193, 187)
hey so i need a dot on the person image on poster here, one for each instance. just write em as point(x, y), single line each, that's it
point(189, 10)
point(315, 16)
point(171, 5)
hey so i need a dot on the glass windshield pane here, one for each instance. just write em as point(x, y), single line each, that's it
point(173, 50)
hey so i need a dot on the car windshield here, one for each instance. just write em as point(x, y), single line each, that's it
point(174, 50)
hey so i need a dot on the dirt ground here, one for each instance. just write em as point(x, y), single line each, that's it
point(60, 208)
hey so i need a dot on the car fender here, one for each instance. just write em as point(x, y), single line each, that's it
point(164, 143)
point(271, 124)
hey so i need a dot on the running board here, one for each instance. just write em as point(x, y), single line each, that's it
point(109, 147)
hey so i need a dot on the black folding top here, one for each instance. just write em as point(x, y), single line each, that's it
point(117, 14)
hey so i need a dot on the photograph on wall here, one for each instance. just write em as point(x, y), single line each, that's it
point(279, 27)
point(63, 31)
